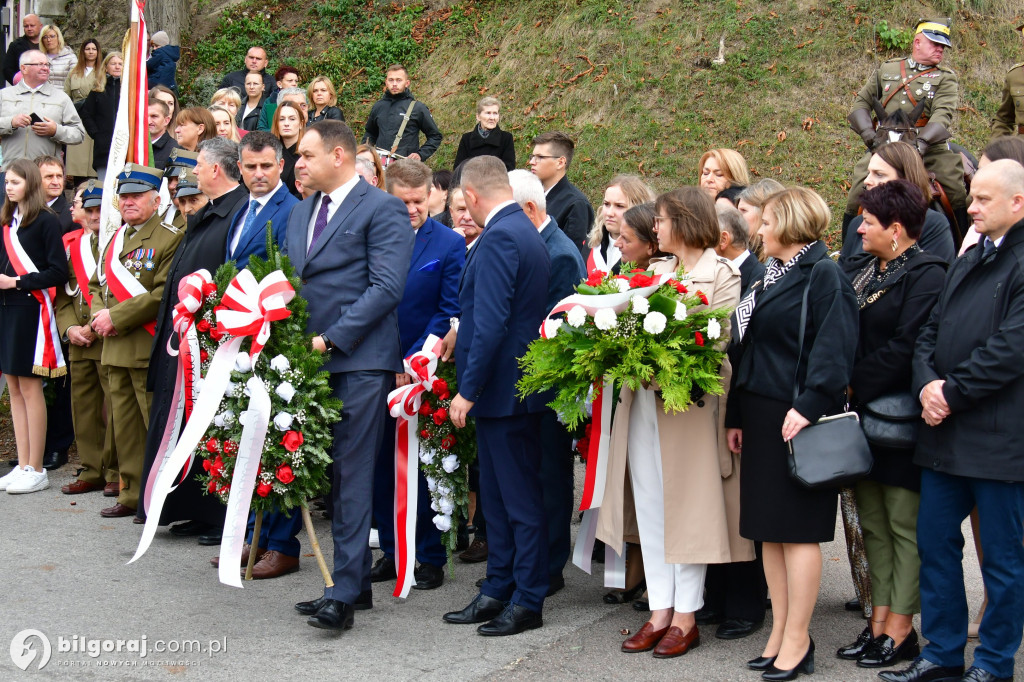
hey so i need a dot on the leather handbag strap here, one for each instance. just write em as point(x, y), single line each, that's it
point(803, 326)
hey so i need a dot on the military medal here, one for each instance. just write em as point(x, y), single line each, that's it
point(149, 260)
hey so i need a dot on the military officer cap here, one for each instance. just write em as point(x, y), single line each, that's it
point(179, 160)
point(92, 195)
point(188, 184)
point(935, 30)
point(135, 179)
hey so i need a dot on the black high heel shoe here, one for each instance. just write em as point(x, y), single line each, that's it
point(761, 662)
point(805, 666)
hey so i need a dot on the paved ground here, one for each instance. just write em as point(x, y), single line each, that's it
point(65, 575)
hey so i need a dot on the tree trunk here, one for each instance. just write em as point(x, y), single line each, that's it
point(168, 15)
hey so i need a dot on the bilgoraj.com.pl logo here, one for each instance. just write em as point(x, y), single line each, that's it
point(32, 646)
point(24, 648)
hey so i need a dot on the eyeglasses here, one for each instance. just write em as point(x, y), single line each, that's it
point(41, 65)
point(543, 156)
point(49, 37)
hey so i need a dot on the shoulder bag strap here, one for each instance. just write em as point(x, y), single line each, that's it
point(401, 130)
point(803, 328)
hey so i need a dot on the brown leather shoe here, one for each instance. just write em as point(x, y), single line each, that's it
point(644, 639)
point(675, 643)
point(79, 487)
point(260, 551)
point(476, 553)
point(117, 511)
point(112, 489)
point(273, 564)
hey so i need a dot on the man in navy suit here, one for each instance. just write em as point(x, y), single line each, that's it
point(350, 244)
point(430, 301)
point(502, 296)
point(567, 269)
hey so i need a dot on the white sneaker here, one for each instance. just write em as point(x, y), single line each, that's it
point(14, 474)
point(30, 481)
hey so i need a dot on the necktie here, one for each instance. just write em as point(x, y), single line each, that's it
point(989, 250)
point(250, 220)
point(321, 220)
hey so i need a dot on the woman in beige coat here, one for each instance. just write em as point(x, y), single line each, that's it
point(681, 472)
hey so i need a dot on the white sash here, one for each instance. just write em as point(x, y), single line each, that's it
point(117, 269)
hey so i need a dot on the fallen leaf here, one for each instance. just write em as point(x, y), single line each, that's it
point(781, 136)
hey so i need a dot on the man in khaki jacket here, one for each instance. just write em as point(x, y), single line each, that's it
point(1009, 117)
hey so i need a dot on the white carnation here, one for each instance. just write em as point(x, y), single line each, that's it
point(427, 457)
point(243, 363)
point(243, 419)
point(450, 463)
point(443, 523)
point(622, 284)
point(283, 421)
point(286, 391)
point(431, 484)
point(434, 505)
point(553, 326)
point(640, 305)
point(444, 489)
point(654, 323)
point(447, 506)
point(604, 319)
point(577, 316)
point(714, 329)
point(220, 421)
point(280, 364)
point(680, 313)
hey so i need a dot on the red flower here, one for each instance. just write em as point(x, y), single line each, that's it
point(426, 409)
point(215, 335)
point(215, 468)
point(638, 270)
point(218, 308)
point(595, 278)
point(203, 326)
point(640, 280)
point(209, 289)
point(284, 474)
point(680, 287)
point(224, 489)
point(212, 486)
point(212, 446)
point(448, 442)
point(702, 296)
point(230, 447)
point(203, 355)
point(440, 389)
point(425, 434)
point(698, 338)
point(263, 489)
point(292, 440)
point(440, 416)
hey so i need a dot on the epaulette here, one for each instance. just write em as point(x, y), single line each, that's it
point(167, 226)
point(1015, 66)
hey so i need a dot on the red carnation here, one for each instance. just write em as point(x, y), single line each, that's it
point(230, 447)
point(440, 389)
point(425, 434)
point(212, 446)
point(284, 474)
point(595, 278)
point(698, 338)
point(292, 440)
point(203, 326)
point(440, 416)
point(224, 489)
point(681, 288)
point(703, 298)
point(203, 355)
point(263, 489)
point(638, 270)
point(640, 280)
point(215, 335)
point(212, 486)
point(209, 289)
point(426, 409)
point(448, 442)
point(217, 467)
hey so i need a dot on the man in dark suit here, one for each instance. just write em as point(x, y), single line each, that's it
point(202, 247)
point(429, 302)
point(968, 374)
point(351, 245)
point(550, 160)
point(29, 40)
point(501, 296)
point(567, 270)
point(162, 143)
point(255, 60)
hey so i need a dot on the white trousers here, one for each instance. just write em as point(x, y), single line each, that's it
point(677, 586)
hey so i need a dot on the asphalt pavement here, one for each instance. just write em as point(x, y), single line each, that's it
point(166, 617)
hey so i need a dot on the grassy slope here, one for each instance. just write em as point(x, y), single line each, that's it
point(621, 77)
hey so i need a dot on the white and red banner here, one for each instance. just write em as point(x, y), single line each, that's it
point(48, 360)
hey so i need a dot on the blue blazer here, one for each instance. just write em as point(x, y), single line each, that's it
point(431, 295)
point(274, 212)
point(353, 277)
point(502, 296)
point(567, 266)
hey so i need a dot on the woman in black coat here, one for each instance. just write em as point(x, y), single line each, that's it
point(762, 415)
point(30, 344)
point(99, 111)
point(248, 116)
point(323, 99)
point(895, 290)
point(487, 139)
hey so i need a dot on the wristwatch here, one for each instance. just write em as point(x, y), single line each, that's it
point(327, 341)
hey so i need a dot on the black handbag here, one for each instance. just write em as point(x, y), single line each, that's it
point(832, 452)
point(892, 421)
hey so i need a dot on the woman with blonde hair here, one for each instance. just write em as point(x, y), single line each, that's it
point(99, 111)
point(229, 99)
point(62, 58)
point(323, 100)
point(78, 84)
point(224, 124)
point(487, 139)
point(622, 193)
point(721, 169)
point(750, 203)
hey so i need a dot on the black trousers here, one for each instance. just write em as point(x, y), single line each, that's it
point(738, 590)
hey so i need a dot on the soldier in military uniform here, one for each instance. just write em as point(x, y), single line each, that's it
point(89, 390)
point(180, 162)
point(126, 294)
point(1010, 116)
point(900, 84)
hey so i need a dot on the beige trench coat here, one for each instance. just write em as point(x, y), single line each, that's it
point(702, 486)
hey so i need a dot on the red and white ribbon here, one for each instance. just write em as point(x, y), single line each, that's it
point(121, 282)
point(79, 249)
point(595, 302)
point(583, 553)
point(47, 360)
point(404, 405)
point(251, 306)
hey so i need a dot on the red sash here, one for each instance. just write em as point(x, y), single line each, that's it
point(74, 243)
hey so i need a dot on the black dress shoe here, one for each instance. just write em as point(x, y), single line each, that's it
point(55, 460)
point(333, 615)
point(427, 577)
point(883, 652)
point(806, 666)
point(189, 529)
point(511, 621)
point(708, 616)
point(555, 584)
point(761, 662)
point(480, 610)
point(851, 652)
point(737, 628)
point(383, 570)
point(922, 670)
point(363, 602)
point(210, 539)
point(978, 675)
